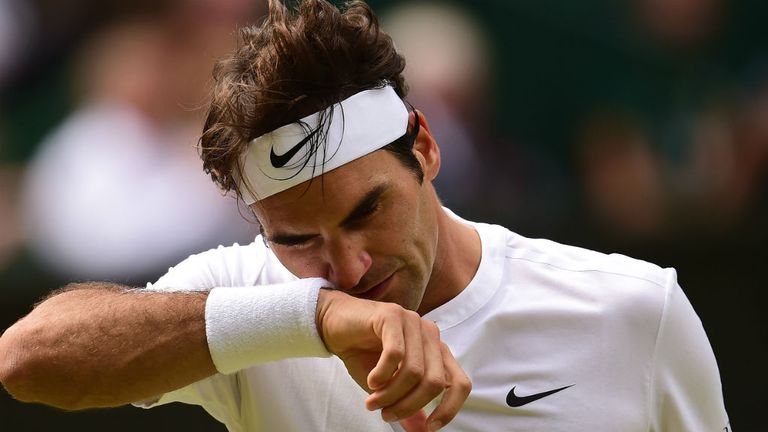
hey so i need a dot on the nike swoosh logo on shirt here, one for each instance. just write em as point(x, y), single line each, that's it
point(516, 401)
point(279, 161)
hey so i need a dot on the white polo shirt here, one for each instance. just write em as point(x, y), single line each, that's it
point(554, 338)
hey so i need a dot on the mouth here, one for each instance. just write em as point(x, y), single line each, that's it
point(375, 292)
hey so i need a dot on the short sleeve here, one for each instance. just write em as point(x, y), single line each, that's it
point(687, 393)
point(230, 266)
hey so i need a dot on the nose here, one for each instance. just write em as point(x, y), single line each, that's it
point(347, 263)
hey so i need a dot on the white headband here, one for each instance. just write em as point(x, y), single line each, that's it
point(356, 126)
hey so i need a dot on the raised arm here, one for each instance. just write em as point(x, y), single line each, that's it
point(104, 345)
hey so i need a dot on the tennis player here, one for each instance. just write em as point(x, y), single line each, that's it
point(365, 305)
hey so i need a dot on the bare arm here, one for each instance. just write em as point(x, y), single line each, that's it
point(103, 345)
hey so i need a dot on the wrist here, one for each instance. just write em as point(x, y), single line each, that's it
point(325, 299)
point(252, 325)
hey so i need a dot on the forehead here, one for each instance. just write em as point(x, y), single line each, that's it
point(332, 194)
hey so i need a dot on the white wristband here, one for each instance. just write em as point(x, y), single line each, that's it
point(252, 325)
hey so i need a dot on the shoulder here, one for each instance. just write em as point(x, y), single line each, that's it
point(573, 263)
point(573, 259)
point(618, 286)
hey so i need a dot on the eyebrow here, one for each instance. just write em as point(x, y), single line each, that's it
point(363, 208)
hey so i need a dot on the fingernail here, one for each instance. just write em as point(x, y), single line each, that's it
point(434, 425)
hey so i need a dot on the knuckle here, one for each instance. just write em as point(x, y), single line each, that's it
point(392, 308)
point(388, 311)
point(465, 385)
point(413, 372)
point(434, 384)
point(411, 315)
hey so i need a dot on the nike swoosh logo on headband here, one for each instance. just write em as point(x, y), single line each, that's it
point(279, 161)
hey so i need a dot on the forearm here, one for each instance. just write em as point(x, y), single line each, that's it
point(100, 345)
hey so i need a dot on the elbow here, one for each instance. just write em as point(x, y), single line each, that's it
point(15, 380)
point(14, 372)
point(29, 379)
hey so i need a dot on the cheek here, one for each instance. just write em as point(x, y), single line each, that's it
point(426, 237)
point(397, 233)
point(415, 231)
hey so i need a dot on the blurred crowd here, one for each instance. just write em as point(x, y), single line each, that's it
point(113, 188)
point(640, 120)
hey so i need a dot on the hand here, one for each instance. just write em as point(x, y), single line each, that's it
point(395, 356)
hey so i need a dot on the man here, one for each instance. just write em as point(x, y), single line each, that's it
point(308, 126)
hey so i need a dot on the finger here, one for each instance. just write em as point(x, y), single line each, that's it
point(456, 392)
point(392, 351)
point(415, 423)
point(410, 371)
point(431, 384)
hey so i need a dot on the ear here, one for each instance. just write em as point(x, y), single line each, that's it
point(425, 147)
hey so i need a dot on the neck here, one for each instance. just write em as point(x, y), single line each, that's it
point(456, 261)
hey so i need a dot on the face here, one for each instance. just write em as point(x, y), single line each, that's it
point(369, 227)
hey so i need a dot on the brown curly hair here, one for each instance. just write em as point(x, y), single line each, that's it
point(298, 61)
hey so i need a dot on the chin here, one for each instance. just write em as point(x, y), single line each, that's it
point(406, 298)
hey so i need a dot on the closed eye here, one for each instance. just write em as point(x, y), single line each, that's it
point(292, 240)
